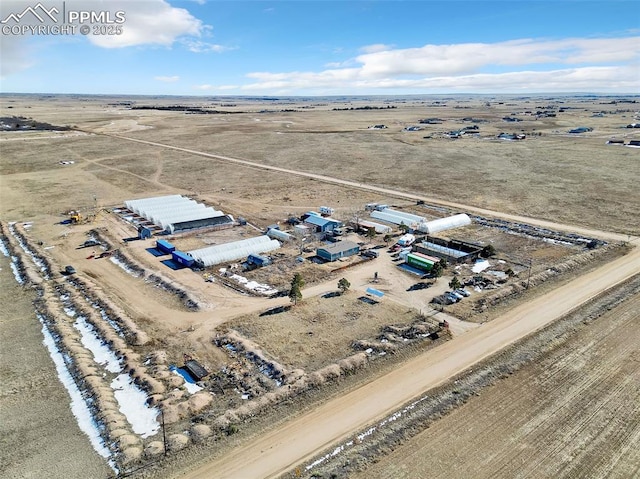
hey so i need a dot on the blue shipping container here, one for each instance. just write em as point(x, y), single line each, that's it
point(182, 258)
point(165, 247)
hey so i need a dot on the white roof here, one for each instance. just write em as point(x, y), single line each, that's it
point(165, 211)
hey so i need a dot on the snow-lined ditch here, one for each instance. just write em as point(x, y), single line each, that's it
point(133, 404)
point(125, 267)
point(13, 263)
point(102, 354)
point(260, 288)
point(37, 260)
point(132, 401)
point(79, 406)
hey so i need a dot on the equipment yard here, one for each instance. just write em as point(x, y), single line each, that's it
point(210, 307)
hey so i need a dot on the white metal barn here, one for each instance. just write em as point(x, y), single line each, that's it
point(442, 224)
point(234, 251)
point(175, 213)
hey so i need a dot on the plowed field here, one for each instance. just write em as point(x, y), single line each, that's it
point(575, 413)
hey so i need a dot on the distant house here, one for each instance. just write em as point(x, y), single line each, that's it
point(335, 251)
point(582, 129)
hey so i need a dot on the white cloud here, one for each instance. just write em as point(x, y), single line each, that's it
point(14, 52)
point(378, 47)
point(197, 46)
point(167, 79)
point(207, 87)
point(472, 57)
point(576, 64)
point(149, 22)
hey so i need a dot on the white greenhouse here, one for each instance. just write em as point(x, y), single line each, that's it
point(397, 217)
point(442, 224)
point(279, 235)
point(175, 213)
point(222, 253)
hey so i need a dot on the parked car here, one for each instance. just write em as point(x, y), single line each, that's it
point(69, 270)
point(463, 292)
point(451, 297)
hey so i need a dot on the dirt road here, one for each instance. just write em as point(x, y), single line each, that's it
point(386, 191)
point(300, 439)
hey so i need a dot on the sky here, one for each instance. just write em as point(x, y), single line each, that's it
point(277, 48)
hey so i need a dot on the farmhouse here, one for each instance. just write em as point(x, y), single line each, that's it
point(322, 225)
point(338, 250)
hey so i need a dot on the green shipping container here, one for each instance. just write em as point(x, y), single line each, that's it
point(419, 262)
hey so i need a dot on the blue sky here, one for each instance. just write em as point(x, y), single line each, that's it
point(332, 47)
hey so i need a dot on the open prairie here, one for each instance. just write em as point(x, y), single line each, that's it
point(568, 178)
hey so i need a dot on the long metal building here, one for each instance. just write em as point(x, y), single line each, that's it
point(398, 217)
point(175, 213)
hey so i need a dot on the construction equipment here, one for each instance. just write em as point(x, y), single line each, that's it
point(76, 217)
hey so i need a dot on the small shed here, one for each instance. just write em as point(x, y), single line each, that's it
point(257, 260)
point(335, 251)
point(196, 370)
point(165, 247)
point(144, 232)
point(182, 258)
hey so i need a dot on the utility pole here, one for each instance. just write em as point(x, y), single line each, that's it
point(529, 276)
point(164, 434)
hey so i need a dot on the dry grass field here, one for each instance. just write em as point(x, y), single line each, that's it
point(37, 427)
point(551, 175)
point(313, 336)
point(569, 178)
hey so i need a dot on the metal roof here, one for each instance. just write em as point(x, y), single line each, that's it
point(339, 247)
point(375, 292)
point(319, 221)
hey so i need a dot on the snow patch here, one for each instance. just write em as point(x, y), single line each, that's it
point(480, 265)
point(133, 404)
point(102, 354)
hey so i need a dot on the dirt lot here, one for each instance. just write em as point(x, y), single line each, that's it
point(574, 413)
